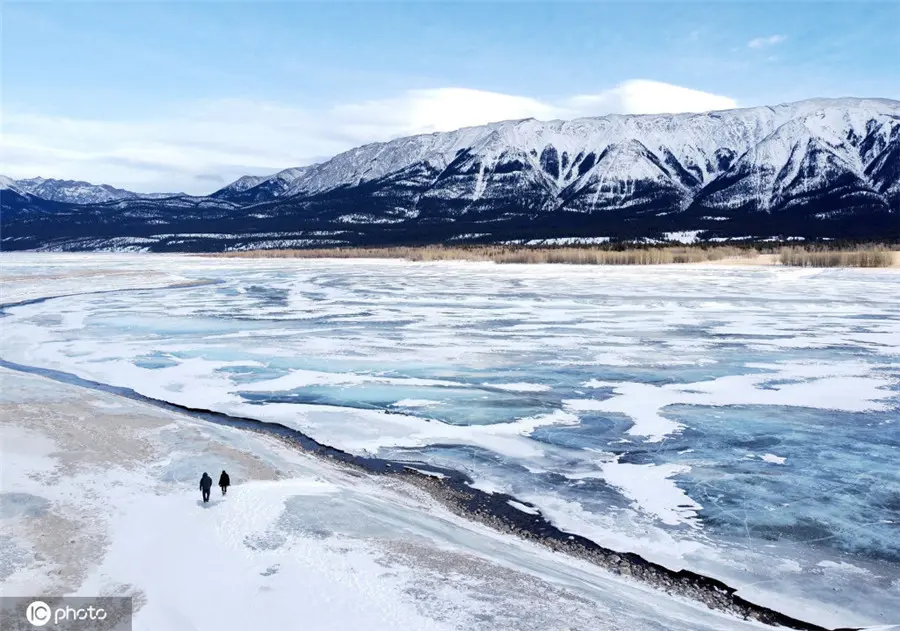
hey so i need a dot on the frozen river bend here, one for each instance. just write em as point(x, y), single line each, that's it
point(738, 422)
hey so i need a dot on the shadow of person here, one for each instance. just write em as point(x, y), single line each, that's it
point(206, 504)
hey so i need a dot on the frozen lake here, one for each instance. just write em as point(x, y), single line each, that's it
point(740, 422)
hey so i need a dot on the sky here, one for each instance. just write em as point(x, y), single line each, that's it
point(177, 96)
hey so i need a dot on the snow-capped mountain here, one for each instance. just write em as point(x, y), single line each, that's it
point(816, 168)
point(251, 188)
point(74, 192)
point(9, 184)
point(599, 163)
point(241, 184)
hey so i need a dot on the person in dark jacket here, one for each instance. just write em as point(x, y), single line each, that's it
point(224, 482)
point(205, 486)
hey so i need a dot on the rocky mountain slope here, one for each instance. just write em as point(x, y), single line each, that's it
point(75, 192)
point(813, 169)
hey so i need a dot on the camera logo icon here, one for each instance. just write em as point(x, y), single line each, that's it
point(38, 613)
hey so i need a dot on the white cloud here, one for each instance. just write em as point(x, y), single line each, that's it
point(442, 109)
point(193, 148)
point(649, 97)
point(765, 42)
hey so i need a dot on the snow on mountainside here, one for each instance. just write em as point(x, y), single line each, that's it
point(242, 184)
point(813, 169)
point(74, 192)
point(256, 189)
point(605, 162)
point(7, 183)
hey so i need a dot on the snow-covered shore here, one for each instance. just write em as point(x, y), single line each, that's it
point(99, 498)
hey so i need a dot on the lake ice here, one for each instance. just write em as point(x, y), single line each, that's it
point(741, 422)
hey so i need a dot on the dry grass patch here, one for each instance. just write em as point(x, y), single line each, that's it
point(586, 255)
point(860, 257)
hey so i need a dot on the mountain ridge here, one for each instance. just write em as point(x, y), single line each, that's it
point(74, 191)
point(469, 136)
point(821, 168)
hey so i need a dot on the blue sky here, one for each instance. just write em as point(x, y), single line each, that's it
point(187, 96)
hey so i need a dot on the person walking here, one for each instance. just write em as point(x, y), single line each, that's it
point(205, 486)
point(224, 482)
